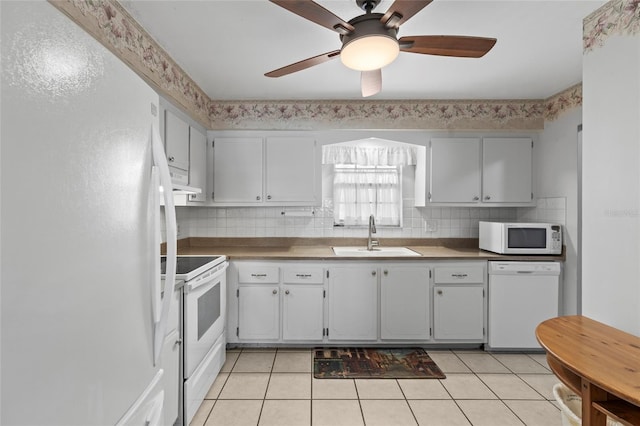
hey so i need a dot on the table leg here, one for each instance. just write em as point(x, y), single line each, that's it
point(590, 393)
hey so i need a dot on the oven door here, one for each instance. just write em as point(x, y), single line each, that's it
point(204, 315)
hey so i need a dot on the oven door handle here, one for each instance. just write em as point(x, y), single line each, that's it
point(161, 315)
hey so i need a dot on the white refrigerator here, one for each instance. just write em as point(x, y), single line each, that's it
point(79, 211)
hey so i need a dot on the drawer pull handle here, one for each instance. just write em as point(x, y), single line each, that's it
point(459, 275)
point(303, 275)
point(258, 275)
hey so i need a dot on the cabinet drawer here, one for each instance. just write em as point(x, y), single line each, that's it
point(304, 275)
point(454, 275)
point(259, 274)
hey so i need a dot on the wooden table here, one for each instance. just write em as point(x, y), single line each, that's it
point(598, 362)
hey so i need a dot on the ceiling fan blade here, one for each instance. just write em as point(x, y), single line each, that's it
point(304, 64)
point(371, 82)
point(446, 45)
point(401, 10)
point(312, 11)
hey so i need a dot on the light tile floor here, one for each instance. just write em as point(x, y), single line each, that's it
point(260, 387)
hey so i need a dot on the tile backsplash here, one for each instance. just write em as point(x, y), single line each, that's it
point(549, 209)
point(418, 222)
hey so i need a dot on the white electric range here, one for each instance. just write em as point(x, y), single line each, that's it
point(203, 317)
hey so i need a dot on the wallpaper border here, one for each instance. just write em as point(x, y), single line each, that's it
point(111, 24)
point(617, 17)
point(118, 31)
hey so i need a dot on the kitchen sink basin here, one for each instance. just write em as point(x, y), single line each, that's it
point(376, 252)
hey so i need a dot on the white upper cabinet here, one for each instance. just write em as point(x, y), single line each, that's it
point(479, 172)
point(237, 170)
point(507, 170)
point(256, 171)
point(291, 170)
point(198, 164)
point(176, 134)
point(455, 170)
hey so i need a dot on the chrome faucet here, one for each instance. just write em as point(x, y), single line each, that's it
point(372, 230)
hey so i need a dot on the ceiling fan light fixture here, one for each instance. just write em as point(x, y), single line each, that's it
point(370, 52)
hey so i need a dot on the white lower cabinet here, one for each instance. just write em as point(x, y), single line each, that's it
point(259, 312)
point(170, 360)
point(404, 302)
point(281, 301)
point(458, 312)
point(303, 302)
point(302, 312)
point(459, 302)
point(258, 297)
point(353, 303)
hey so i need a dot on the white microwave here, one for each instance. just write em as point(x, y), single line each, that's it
point(521, 238)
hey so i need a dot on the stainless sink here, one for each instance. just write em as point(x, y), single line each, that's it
point(376, 252)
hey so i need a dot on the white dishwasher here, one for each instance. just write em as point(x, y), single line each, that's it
point(521, 296)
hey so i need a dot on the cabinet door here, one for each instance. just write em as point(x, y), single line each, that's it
point(176, 134)
point(458, 312)
point(291, 173)
point(258, 312)
point(507, 170)
point(171, 378)
point(302, 314)
point(353, 303)
point(198, 164)
point(404, 303)
point(237, 170)
point(455, 170)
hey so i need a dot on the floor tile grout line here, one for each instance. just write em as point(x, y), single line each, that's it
point(266, 390)
point(407, 402)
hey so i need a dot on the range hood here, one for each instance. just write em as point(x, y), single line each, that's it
point(181, 194)
point(184, 189)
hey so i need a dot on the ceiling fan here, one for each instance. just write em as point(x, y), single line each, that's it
point(370, 41)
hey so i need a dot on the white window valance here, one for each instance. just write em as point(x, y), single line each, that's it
point(369, 155)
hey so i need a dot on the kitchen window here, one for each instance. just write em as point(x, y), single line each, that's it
point(367, 180)
point(361, 191)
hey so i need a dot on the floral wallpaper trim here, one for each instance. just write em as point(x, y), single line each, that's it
point(458, 115)
point(617, 17)
point(559, 103)
point(111, 25)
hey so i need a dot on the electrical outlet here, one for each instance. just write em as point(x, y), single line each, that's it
point(430, 225)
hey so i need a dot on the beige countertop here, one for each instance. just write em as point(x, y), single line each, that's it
point(321, 249)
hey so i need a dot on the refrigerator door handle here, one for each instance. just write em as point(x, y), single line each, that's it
point(160, 160)
point(156, 283)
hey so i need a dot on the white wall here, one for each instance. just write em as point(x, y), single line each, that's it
point(556, 183)
point(611, 183)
